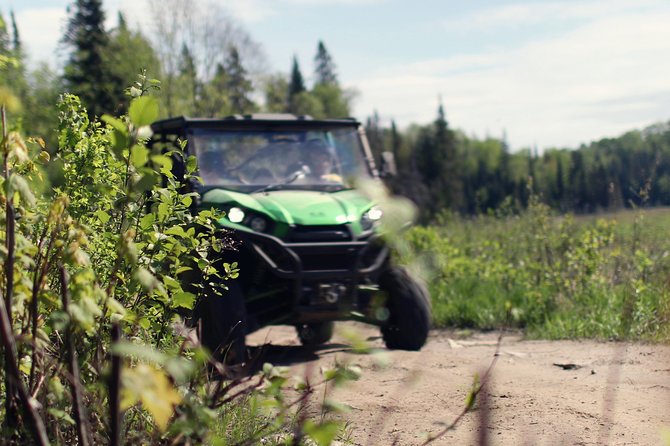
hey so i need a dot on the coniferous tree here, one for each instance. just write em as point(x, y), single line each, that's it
point(396, 142)
point(436, 160)
point(374, 132)
point(85, 73)
point(296, 86)
point(16, 40)
point(445, 150)
point(238, 85)
point(324, 67)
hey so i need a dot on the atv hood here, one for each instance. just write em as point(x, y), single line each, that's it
point(296, 207)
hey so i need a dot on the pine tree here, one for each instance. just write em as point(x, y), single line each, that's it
point(374, 133)
point(238, 86)
point(16, 40)
point(296, 86)
point(437, 163)
point(396, 142)
point(85, 72)
point(324, 67)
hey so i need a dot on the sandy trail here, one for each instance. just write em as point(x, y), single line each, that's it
point(541, 392)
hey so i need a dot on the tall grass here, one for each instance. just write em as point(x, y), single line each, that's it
point(602, 277)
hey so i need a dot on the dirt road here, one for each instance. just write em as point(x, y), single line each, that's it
point(540, 393)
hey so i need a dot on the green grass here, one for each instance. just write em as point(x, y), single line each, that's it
point(603, 276)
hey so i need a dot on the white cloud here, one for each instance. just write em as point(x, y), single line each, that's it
point(252, 11)
point(529, 13)
point(40, 31)
point(605, 77)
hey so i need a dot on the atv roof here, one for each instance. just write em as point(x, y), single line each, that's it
point(259, 120)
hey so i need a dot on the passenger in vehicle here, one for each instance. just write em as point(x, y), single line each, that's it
point(321, 161)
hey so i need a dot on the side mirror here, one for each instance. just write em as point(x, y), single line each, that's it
point(388, 167)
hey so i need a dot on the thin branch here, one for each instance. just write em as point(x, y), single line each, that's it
point(476, 390)
point(115, 391)
point(10, 227)
point(38, 284)
point(35, 422)
point(80, 417)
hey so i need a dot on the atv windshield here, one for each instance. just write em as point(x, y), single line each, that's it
point(254, 160)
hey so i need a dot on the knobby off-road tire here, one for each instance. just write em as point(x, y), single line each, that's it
point(408, 303)
point(313, 335)
point(222, 322)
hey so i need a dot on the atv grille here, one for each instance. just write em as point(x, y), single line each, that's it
point(331, 233)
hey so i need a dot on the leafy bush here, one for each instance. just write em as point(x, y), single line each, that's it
point(97, 271)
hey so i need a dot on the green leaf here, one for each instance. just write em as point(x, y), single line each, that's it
point(146, 221)
point(180, 368)
point(324, 433)
point(171, 283)
point(102, 216)
point(143, 111)
point(144, 323)
point(61, 415)
point(139, 155)
point(139, 351)
point(191, 164)
point(163, 210)
point(145, 183)
point(115, 123)
point(19, 184)
point(162, 160)
point(184, 299)
point(176, 230)
point(119, 136)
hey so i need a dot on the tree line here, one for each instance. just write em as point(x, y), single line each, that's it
point(209, 66)
point(444, 170)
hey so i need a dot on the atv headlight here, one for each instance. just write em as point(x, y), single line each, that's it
point(372, 216)
point(236, 215)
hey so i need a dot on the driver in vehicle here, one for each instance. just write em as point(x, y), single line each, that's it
point(321, 161)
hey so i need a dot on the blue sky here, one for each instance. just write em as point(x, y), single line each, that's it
point(548, 73)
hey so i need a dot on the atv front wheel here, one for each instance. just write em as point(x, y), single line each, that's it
point(313, 335)
point(408, 303)
point(222, 324)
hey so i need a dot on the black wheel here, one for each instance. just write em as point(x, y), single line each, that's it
point(408, 303)
point(222, 323)
point(312, 335)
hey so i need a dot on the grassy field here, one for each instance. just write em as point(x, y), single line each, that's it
point(604, 276)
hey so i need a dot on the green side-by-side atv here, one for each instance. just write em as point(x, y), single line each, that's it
point(309, 251)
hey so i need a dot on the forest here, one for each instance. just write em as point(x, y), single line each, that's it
point(209, 70)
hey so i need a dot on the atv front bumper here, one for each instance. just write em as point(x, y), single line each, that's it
point(350, 262)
